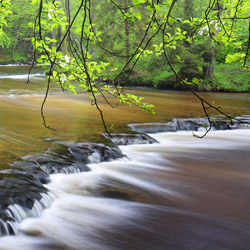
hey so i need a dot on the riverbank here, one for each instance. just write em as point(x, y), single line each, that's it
point(227, 78)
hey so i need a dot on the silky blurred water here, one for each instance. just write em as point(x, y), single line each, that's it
point(183, 193)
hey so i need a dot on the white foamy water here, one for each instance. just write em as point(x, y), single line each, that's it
point(14, 65)
point(21, 76)
point(172, 195)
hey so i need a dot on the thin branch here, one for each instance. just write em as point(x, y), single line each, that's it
point(248, 46)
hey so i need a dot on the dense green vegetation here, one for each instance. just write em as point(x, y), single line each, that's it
point(206, 49)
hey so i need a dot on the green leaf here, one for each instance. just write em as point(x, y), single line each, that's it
point(195, 80)
point(39, 60)
point(54, 74)
point(137, 15)
point(157, 7)
point(149, 8)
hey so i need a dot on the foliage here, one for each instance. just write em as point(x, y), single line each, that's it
point(4, 12)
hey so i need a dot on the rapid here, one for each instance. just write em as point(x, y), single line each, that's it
point(152, 186)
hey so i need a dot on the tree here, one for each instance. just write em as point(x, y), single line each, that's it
point(126, 30)
point(208, 67)
point(4, 12)
point(190, 65)
point(17, 30)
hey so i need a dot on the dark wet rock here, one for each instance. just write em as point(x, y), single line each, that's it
point(17, 188)
point(191, 124)
point(195, 124)
point(52, 162)
point(6, 227)
point(152, 127)
point(70, 157)
point(4, 216)
point(29, 168)
point(116, 194)
point(91, 152)
point(22, 184)
point(21, 189)
point(118, 189)
point(129, 139)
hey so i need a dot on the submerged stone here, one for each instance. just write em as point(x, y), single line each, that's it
point(129, 139)
point(53, 162)
point(152, 127)
point(191, 124)
point(21, 189)
point(91, 152)
point(20, 167)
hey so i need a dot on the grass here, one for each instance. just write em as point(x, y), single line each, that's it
point(227, 77)
point(18, 57)
point(230, 77)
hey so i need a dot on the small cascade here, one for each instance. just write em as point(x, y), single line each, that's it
point(29, 196)
point(16, 214)
point(161, 195)
point(191, 124)
point(20, 213)
point(64, 170)
point(6, 227)
point(128, 139)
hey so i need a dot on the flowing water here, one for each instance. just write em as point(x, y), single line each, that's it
point(179, 193)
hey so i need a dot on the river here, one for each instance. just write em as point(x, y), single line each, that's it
point(180, 193)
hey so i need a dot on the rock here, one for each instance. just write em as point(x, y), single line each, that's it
point(191, 124)
point(22, 187)
point(91, 152)
point(29, 168)
point(70, 157)
point(17, 188)
point(128, 139)
point(152, 127)
point(51, 162)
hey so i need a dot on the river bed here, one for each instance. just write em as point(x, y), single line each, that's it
point(180, 193)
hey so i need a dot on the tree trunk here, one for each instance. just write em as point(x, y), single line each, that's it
point(188, 13)
point(54, 37)
point(60, 37)
point(208, 67)
point(66, 41)
point(16, 42)
point(126, 31)
point(190, 67)
point(93, 14)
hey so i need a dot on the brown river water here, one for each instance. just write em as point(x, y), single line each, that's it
point(182, 193)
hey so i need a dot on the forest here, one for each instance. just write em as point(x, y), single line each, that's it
point(126, 41)
point(82, 167)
